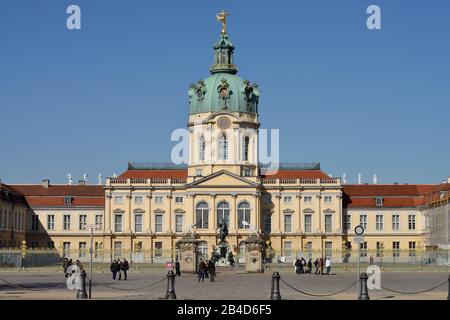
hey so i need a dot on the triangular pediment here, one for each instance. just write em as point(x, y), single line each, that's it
point(222, 179)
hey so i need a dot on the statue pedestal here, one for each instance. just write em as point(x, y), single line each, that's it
point(222, 251)
point(187, 248)
point(254, 249)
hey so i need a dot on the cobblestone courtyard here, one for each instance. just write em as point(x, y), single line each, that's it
point(228, 285)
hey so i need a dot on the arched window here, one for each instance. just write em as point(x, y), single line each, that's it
point(223, 212)
point(246, 144)
point(203, 250)
point(223, 148)
point(243, 214)
point(202, 215)
point(201, 149)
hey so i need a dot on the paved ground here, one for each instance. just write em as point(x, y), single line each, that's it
point(229, 285)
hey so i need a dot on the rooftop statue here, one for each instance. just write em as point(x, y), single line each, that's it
point(222, 17)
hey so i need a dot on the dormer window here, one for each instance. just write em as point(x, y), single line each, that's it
point(67, 200)
point(379, 201)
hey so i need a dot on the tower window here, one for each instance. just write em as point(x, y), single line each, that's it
point(201, 149)
point(246, 144)
point(223, 148)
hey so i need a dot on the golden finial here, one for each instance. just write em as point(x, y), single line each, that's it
point(222, 17)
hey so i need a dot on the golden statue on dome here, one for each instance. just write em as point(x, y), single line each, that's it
point(222, 17)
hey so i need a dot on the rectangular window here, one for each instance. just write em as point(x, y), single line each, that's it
point(395, 222)
point(363, 247)
point(328, 199)
point(380, 248)
point(308, 249)
point(412, 222)
point(412, 248)
point(363, 221)
point(34, 222)
point(50, 245)
point(267, 223)
point(158, 223)
point(307, 199)
point(396, 249)
point(328, 249)
point(51, 222)
point(82, 249)
point(247, 173)
point(98, 249)
point(66, 248)
point(287, 223)
point(118, 199)
point(198, 172)
point(348, 222)
point(287, 249)
point(117, 249)
point(179, 199)
point(99, 221)
point(82, 222)
point(118, 223)
point(158, 249)
point(138, 223)
point(287, 199)
point(328, 223)
point(379, 201)
point(158, 199)
point(138, 200)
point(67, 201)
point(66, 222)
point(179, 223)
point(379, 222)
point(308, 223)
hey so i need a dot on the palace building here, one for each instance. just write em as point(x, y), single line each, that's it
point(143, 212)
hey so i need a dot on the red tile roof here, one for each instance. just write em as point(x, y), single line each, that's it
point(394, 195)
point(314, 174)
point(145, 174)
point(34, 201)
point(53, 196)
point(9, 195)
point(58, 190)
point(182, 174)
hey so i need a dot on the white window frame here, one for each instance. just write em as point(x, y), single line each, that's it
point(179, 225)
point(50, 222)
point(138, 199)
point(159, 199)
point(379, 222)
point(179, 199)
point(118, 199)
point(395, 222)
point(363, 220)
point(117, 223)
point(328, 199)
point(287, 199)
point(136, 224)
point(307, 199)
point(287, 224)
point(67, 222)
point(310, 224)
point(82, 221)
point(411, 222)
point(159, 225)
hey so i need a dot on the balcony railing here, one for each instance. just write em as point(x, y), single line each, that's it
point(301, 181)
point(144, 182)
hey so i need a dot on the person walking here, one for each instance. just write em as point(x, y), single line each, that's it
point(371, 260)
point(65, 265)
point(207, 269)
point(177, 269)
point(119, 268)
point(328, 265)
point(125, 267)
point(266, 263)
point(303, 261)
point(309, 265)
point(79, 265)
point(316, 264)
point(212, 270)
point(321, 265)
point(201, 270)
point(113, 269)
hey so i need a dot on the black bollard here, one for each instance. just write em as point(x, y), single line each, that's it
point(448, 296)
point(364, 293)
point(275, 292)
point(81, 294)
point(171, 285)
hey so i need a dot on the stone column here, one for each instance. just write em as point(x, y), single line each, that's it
point(128, 215)
point(257, 212)
point(300, 214)
point(339, 214)
point(320, 213)
point(169, 215)
point(278, 220)
point(149, 214)
point(235, 219)
point(108, 214)
point(213, 225)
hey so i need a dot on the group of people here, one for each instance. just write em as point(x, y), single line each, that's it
point(68, 262)
point(301, 266)
point(118, 266)
point(206, 269)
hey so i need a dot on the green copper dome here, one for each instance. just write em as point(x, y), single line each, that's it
point(223, 91)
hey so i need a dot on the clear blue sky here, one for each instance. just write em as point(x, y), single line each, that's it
point(353, 99)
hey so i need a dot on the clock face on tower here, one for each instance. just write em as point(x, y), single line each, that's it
point(223, 123)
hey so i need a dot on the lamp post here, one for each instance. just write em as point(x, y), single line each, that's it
point(91, 251)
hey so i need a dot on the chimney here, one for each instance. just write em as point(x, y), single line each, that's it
point(448, 180)
point(46, 183)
